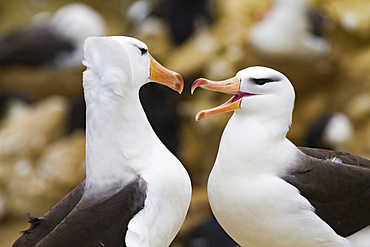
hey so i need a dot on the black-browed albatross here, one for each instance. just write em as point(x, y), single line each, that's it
point(136, 193)
point(265, 191)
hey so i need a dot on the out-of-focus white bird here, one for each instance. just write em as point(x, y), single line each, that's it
point(329, 131)
point(289, 30)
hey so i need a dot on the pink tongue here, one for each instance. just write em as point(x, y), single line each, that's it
point(240, 95)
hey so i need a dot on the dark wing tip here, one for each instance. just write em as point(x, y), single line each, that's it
point(34, 221)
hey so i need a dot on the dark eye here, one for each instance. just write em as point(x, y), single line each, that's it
point(262, 81)
point(143, 51)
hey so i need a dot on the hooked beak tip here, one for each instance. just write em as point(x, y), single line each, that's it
point(197, 83)
point(200, 115)
point(180, 85)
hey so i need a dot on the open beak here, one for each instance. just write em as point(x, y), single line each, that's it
point(229, 105)
point(164, 76)
point(229, 86)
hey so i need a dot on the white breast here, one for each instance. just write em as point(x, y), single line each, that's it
point(264, 210)
point(168, 198)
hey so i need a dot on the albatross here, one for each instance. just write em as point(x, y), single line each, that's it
point(56, 41)
point(290, 30)
point(136, 193)
point(265, 191)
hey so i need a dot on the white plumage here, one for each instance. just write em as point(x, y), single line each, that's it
point(284, 32)
point(263, 190)
point(136, 192)
point(125, 146)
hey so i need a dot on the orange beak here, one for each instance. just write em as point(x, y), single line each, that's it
point(229, 86)
point(229, 105)
point(164, 76)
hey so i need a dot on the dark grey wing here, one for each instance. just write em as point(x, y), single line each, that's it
point(340, 193)
point(34, 46)
point(41, 227)
point(346, 158)
point(97, 222)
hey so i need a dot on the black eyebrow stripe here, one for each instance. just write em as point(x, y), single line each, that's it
point(261, 81)
point(142, 50)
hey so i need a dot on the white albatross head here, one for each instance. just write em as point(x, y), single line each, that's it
point(124, 64)
point(257, 91)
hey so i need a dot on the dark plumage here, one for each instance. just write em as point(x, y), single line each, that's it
point(346, 158)
point(33, 46)
point(81, 213)
point(337, 185)
point(54, 42)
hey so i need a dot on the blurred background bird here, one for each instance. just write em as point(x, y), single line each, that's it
point(54, 40)
point(290, 29)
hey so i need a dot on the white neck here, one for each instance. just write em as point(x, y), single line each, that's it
point(118, 137)
point(253, 145)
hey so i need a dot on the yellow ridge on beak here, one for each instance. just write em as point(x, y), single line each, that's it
point(229, 86)
point(229, 105)
point(164, 76)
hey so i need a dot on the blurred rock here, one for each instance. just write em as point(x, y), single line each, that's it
point(36, 84)
point(358, 107)
point(24, 134)
point(352, 16)
point(27, 130)
point(154, 32)
point(28, 193)
point(63, 161)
